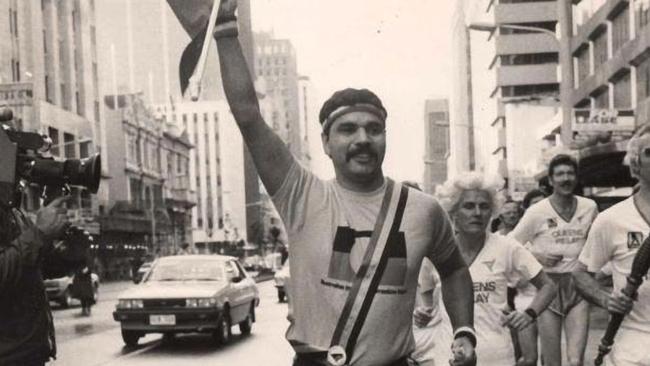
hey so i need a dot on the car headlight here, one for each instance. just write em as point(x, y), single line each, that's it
point(204, 302)
point(129, 304)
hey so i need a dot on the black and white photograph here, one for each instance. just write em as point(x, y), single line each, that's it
point(325, 183)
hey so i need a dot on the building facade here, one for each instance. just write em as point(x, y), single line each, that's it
point(216, 166)
point(150, 198)
point(510, 56)
point(275, 62)
point(610, 48)
point(436, 143)
point(48, 76)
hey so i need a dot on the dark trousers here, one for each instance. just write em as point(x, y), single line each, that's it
point(320, 359)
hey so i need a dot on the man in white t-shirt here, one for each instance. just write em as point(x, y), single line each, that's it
point(330, 225)
point(556, 228)
point(614, 240)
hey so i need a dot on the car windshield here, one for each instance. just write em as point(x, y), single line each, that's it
point(187, 270)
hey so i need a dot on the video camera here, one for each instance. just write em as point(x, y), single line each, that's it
point(21, 158)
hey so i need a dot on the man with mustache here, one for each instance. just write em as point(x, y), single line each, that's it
point(556, 228)
point(330, 224)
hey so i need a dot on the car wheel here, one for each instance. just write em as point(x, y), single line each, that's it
point(246, 326)
point(130, 337)
point(281, 295)
point(66, 299)
point(222, 334)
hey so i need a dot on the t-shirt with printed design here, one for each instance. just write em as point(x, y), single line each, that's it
point(549, 233)
point(501, 261)
point(328, 229)
point(615, 238)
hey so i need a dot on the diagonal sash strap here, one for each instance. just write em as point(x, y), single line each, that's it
point(366, 281)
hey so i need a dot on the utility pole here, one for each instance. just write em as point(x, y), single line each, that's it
point(565, 21)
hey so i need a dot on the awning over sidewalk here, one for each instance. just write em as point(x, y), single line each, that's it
point(602, 166)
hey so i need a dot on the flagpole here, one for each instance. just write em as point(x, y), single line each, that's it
point(195, 79)
point(114, 75)
point(165, 45)
point(129, 30)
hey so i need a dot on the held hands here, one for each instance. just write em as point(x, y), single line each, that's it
point(463, 352)
point(51, 220)
point(619, 303)
point(518, 320)
point(422, 316)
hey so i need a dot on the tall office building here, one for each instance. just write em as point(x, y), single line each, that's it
point(436, 143)
point(144, 56)
point(275, 62)
point(610, 48)
point(49, 77)
point(520, 54)
point(217, 169)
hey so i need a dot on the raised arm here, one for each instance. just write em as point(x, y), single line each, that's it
point(271, 156)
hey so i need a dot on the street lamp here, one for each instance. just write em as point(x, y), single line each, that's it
point(487, 27)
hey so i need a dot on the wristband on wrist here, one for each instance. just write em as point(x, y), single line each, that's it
point(228, 19)
point(466, 332)
point(532, 313)
point(226, 30)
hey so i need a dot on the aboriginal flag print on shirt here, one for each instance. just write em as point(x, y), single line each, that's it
point(329, 228)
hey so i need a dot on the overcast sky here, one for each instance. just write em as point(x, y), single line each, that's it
point(399, 49)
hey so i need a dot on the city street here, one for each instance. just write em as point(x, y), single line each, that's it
point(97, 341)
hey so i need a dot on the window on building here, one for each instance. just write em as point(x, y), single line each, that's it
point(600, 48)
point(96, 110)
point(641, 14)
point(620, 29)
point(528, 90)
point(623, 91)
point(529, 59)
point(84, 149)
point(601, 98)
point(69, 146)
point(545, 25)
point(54, 136)
point(48, 94)
point(643, 79)
point(135, 191)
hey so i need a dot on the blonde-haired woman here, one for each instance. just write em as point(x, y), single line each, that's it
point(494, 261)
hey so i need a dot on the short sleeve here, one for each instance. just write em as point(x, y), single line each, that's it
point(444, 241)
point(598, 248)
point(523, 265)
point(291, 198)
point(525, 230)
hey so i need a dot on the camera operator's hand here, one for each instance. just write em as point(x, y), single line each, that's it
point(52, 220)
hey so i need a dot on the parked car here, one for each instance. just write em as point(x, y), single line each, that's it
point(188, 294)
point(60, 289)
point(281, 278)
point(142, 271)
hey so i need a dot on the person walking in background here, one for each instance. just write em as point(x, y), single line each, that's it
point(556, 228)
point(495, 261)
point(510, 215)
point(82, 289)
point(613, 242)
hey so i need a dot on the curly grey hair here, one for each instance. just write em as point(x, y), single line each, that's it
point(634, 149)
point(450, 192)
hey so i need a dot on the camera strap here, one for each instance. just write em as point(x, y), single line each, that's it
point(366, 281)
